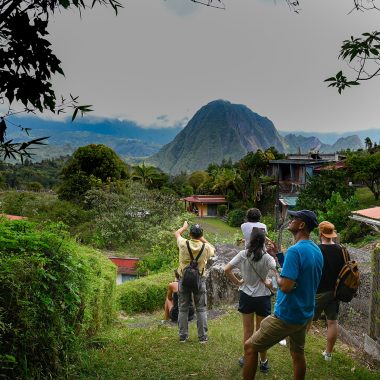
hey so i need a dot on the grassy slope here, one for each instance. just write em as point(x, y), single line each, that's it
point(217, 231)
point(153, 352)
point(366, 198)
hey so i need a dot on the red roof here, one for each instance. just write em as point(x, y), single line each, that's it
point(372, 213)
point(125, 265)
point(205, 199)
point(12, 217)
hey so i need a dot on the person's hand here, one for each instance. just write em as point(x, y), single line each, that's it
point(185, 224)
point(268, 283)
point(241, 282)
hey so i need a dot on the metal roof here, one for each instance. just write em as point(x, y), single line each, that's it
point(372, 213)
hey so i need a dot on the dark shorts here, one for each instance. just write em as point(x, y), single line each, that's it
point(326, 302)
point(259, 305)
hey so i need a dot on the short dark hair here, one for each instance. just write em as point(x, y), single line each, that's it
point(253, 215)
point(196, 231)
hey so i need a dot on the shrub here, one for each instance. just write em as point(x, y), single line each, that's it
point(355, 231)
point(222, 210)
point(56, 293)
point(236, 217)
point(144, 294)
point(338, 210)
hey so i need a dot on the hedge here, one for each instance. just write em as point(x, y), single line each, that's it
point(53, 294)
point(144, 294)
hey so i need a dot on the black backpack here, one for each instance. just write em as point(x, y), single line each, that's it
point(348, 280)
point(191, 278)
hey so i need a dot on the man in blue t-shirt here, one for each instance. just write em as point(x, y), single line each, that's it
point(295, 301)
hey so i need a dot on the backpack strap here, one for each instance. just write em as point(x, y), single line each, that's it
point(191, 253)
point(188, 248)
point(346, 256)
point(200, 252)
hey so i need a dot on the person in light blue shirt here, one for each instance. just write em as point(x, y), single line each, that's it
point(294, 308)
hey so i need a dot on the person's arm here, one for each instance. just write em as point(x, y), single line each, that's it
point(289, 272)
point(285, 284)
point(170, 291)
point(228, 271)
point(203, 240)
point(181, 230)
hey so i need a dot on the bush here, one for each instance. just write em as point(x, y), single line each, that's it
point(338, 210)
point(144, 294)
point(222, 210)
point(355, 231)
point(56, 293)
point(236, 217)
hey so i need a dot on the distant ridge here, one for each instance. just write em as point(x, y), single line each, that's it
point(219, 130)
point(294, 143)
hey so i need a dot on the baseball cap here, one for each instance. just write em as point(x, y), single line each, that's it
point(307, 216)
point(196, 230)
point(327, 229)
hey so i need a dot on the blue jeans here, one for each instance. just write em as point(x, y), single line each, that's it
point(200, 302)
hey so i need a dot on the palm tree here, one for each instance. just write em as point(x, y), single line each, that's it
point(145, 174)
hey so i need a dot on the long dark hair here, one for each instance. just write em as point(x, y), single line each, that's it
point(256, 244)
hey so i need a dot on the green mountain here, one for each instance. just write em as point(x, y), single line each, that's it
point(218, 131)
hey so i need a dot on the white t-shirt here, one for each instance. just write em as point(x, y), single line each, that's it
point(246, 228)
point(253, 285)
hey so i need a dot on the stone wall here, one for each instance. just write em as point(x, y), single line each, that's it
point(219, 288)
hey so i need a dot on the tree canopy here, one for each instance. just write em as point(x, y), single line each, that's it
point(90, 166)
point(365, 167)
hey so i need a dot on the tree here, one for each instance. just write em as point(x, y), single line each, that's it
point(197, 179)
point(27, 62)
point(146, 174)
point(320, 187)
point(365, 167)
point(252, 166)
point(90, 166)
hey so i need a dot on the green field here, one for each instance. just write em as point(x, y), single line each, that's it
point(217, 231)
point(366, 198)
point(140, 347)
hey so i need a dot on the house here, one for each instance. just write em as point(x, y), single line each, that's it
point(204, 205)
point(126, 268)
point(292, 173)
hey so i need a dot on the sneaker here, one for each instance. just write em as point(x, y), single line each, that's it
point(327, 356)
point(183, 339)
point(203, 340)
point(264, 366)
point(241, 362)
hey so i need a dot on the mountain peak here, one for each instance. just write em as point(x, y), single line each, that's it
point(218, 131)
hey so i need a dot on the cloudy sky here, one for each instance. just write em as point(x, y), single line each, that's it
point(159, 61)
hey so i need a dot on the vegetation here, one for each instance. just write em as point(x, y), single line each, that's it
point(144, 294)
point(365, 167)
point(53, 293)
point(320, 187)
point(91, 166)
point(139, 347)
point(31, 176)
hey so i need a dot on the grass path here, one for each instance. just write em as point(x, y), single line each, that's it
point(218, 231)
point(140, 347)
